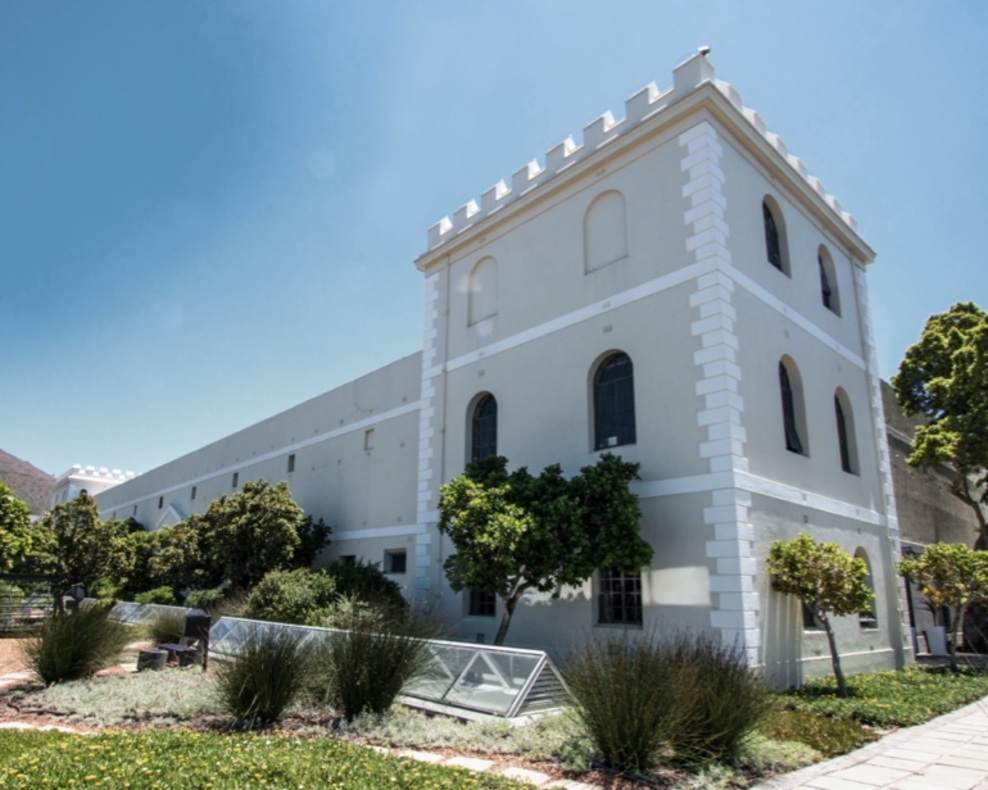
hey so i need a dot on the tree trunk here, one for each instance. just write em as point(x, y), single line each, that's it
point(958, 618)
point(507, 609)
point(962, 491)
point(834, 657)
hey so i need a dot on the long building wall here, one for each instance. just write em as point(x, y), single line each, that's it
point(648, 240)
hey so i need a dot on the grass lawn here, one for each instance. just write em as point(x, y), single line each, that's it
point(185, 760)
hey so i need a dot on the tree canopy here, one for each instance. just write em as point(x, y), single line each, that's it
point(944, 377)
point(515, 532)
point(18, 538)
point(952, 575)
point(828, 580)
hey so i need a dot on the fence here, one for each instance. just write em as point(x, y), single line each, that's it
point(25, 600)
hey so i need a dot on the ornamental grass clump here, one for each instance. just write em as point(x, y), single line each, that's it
point(76, 645)
point(364, 666)
point(263, 680)
point(719, 699)
point(166, 627)
point(682, 701)
point(625, 695)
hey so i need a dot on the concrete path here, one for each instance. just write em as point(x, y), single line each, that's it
point(948, 753)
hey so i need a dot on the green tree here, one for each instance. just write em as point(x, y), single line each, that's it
point(944, 377)
point(259, 529)
point(513, 532)
point(84, 548)
point(949, 574)
point(18, 538)
point(826, 579)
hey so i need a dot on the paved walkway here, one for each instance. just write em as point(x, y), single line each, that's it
point(948, 753)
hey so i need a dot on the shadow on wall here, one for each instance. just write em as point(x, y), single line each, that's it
point(783, 642)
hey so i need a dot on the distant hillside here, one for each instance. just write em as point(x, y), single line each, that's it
point(29, 483)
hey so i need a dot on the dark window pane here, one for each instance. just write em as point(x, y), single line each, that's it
point(620, 597)
point(481, 604)
point(845, 450)
point(484, 429)
point(772, 246)
point(614, 403)
point(825, 291)
point(793, 444)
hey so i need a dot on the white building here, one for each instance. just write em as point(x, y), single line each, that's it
point(93, 481)
point(676, 289)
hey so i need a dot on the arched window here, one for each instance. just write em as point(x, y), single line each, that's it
point(605, 235)
point(828, 281)
point(868, 619)
point(793, 419)
point(483, 428)
point(845, 432)
point(614, 402)
point(482, 291)
point(775, 235)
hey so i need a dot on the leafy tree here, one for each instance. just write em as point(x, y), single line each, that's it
point(826, 579)
point(84, 548)
point(944, 377)
point(259, 529)
point(949, 574)
point(514, 532)
point(18, 538)
point(184, 557)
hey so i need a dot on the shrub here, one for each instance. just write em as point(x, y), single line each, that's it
point(207, 600)
point(166, 626)
point(367, 582)
point(363, 667)
point(265, 678)
point(164, 596)
point(72, 646)
point(300, 597)
point(686, 701)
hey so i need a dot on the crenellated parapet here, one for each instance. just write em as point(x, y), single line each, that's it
point(640, 107)
point(93, 473)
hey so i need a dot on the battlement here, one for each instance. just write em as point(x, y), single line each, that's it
point(92, 473)
point(640, 107)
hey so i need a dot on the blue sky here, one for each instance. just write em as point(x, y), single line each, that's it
point(209, 210)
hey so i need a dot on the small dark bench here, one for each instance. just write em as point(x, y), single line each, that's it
point(196, 630)
point(184, 654)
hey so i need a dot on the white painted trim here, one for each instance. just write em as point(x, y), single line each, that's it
point(287, 449)
point(753, 484)
point(643, 291)
point(397, 531)
point(650, 288)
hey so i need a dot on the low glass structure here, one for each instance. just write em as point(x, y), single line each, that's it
point(493, 681)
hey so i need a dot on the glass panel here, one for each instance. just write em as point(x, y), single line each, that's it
point(475, 677)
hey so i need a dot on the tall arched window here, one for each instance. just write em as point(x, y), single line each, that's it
point(869, 618)
point(828, 281)
point(614, 402)
point(775, 235)
point(792, 409)
point(845, 432)
point(483, 428)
